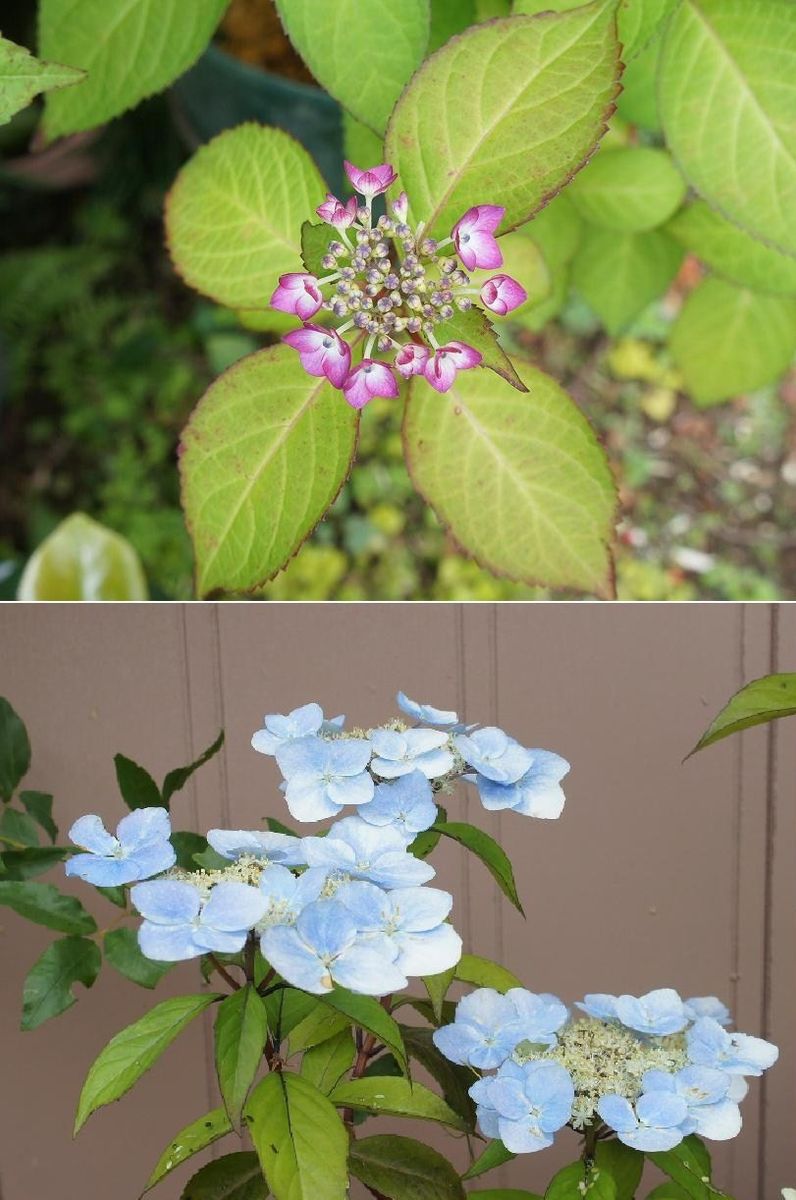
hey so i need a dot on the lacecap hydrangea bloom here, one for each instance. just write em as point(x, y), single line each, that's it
point(390, 288)
point(648, 1069)
point(351, 907)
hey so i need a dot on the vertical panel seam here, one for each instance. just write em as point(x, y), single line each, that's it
point(768, 892)
point(464, 861)
point(495, 710)
point(218, 676)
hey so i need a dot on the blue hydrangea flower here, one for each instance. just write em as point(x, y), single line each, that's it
point(484, 1032)
point(493, 754)
point(426, 712)
point(323, 776)
point(405, 805)
point(736, 1053)
point(712, 1113)
point(600, 1005)
point(657, 1013)
point(539, 1017)
point(140, 849)
point(287, 895)
point(413, 919)
point(324, 947)
point(525, 1105)
point(281, 729)
point(271, 847)
point(355, 850)
point(707, 1006)
point(658, 1122)
point(179, 924)
point(537, 793)
point(423, 750)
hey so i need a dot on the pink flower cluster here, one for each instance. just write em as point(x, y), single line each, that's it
point(392, 286)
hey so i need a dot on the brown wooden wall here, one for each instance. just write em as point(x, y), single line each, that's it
point(659, 873)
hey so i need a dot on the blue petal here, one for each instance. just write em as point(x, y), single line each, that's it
point(399, 869)
point(508, 1098)
point(167, 901)
point(276, 847)
point(351, 789)
point(233, 906)
point(142, 826)
point(707, 1006)
point(102, 872)
point(327, 926)
point(294, 960)
point(265, 742)
point(306, 754)
point(368, 905)
point(521, 1138)
point(662, 1110)
point(348, 756)
point(425, 712)
point(430, 952)
point(363, 969)
point(223, 941)
point(90, 834)
point(617, 1113)
point(421, 908)
point(719, 1121)
point(308, 798)
point(167, 943)
point(387, 743)
point(153, 859)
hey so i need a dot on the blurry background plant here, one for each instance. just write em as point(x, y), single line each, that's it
point(103, 352)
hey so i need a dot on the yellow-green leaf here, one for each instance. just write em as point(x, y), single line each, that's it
point(731, 252)
point(628, 189)
point(505, 114)
point(620, 274)
point(83, 560)
point(234, 214)
point(301, 1142)
point(22, 77)
point(264, 455)
point(520, 480)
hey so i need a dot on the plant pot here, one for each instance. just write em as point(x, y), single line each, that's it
point(221, 92)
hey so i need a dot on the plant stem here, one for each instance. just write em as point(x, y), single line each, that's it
point(224, 973)
point(248, 958)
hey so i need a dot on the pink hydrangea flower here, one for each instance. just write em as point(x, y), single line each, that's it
point(371, 182)
point(443, 366)
point(322, 352)
point(502, 294)
point(371, 378)
point(299, 294)
point(473, 236)
point(400, 206)
point(411, 359)
point(334, 212)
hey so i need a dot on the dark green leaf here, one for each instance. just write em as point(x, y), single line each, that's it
point(177, 779)
point(241, 1031)
point(425, 1009)
point(491, 854)
point(505, 1194)
point(275, 826)
point(325, 1065)
point(14, 750)
point(44, 904)
point(400, 1168)
point(116, 895)
point(762, 700)
point(427, 841)
point(301, 1142)
point(437, 988)
point(286, 1008)
point(623, 1164)
point(209, 860)
point(578, 1181)
point(318, 1026)
point(48, 986)
point(137, 786)
point(367, 1012)
point(39, 805)
point(397, 1097)
point(132, 1052)
point(315, 239)
point(482, 972)
point(233, 1177)
point(189, 1141)
point(187, 846)
point(123, 953)
point(35, 860)
point(668, 1191)
point(454, 1080)
point(17, 829)
point(495, 1155)
point(689, 1166)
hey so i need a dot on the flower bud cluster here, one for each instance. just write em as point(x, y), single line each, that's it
point(392, 286)
point(650, 1069)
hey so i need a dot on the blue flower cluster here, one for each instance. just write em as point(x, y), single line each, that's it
point(667, 1067)
point(324, 769)
point(350, 907)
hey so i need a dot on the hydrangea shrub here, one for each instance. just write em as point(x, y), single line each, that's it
point(307, 946)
